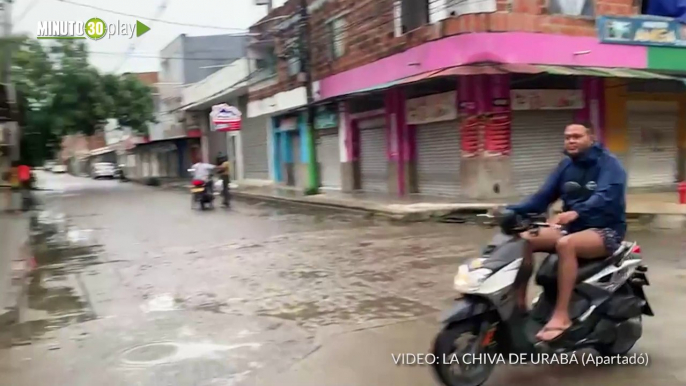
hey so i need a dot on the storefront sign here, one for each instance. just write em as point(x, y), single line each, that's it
point(225, 118)
point(643, 31)
point(547, 99)
point(288, 124)
point(431, 108)
point(326, 118)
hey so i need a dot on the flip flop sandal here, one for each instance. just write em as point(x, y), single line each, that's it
point(563, 331)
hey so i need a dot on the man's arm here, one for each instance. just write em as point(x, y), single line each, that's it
point(546, 195)
point(611, 183)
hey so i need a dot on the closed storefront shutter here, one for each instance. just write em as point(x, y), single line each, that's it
point(537, 146)
point(328, 156)
point(652, 158)
point(373, 163)
point(295, 148)
point(438, 158)
point(254, 143)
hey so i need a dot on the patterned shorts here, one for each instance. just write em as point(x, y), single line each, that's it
point(611, 239)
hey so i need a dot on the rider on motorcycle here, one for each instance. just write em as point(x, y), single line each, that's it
point(594, 218)
point(201, 175)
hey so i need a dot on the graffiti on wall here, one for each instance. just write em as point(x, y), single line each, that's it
point(572, 7)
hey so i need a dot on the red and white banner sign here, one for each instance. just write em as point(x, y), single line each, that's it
point(225, 118)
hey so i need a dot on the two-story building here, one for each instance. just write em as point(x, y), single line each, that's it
point(175, 143)
point(470, 98)
point(247, 147)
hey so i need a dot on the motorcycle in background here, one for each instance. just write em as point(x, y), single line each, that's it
point(202, 193)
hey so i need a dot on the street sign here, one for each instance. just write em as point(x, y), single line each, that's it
point(225, 118)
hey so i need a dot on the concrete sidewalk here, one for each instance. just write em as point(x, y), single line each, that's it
point(660, 210)
point(14, 263)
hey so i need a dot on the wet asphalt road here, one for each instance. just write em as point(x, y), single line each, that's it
point(158, 294)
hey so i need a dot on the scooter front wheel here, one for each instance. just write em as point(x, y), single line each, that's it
point(465, 353)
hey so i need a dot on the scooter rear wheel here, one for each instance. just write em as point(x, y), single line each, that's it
point(450, 357)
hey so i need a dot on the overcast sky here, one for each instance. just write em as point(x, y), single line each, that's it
point(109, 54)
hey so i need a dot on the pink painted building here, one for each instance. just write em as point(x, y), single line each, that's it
point(471, 101)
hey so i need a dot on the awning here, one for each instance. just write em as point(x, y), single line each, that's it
point(506, 68)
point(603, 72)
point(102, 150)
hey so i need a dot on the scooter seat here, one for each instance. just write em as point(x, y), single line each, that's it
point(547, 273)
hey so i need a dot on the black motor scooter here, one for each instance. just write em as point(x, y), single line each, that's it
point(606, 308)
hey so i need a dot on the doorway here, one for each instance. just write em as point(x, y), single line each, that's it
point(235, 155)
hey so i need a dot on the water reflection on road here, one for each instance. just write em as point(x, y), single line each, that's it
point(129, 278)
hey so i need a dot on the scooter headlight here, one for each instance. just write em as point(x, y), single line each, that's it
point(467, 281)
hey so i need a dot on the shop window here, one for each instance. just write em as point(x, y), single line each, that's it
point(292, 50)
point(337, 36)
point(413, 14)
point(578, 8)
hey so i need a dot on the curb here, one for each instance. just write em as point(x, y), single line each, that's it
point(454, 215)
point(458, 215)
point(20, 269)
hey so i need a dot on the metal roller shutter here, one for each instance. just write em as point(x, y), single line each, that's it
point(329, 159)
point(438, 158)
point(652, 158)
point(295, 148)
point(537, 146)
point(254, 143)
point(373, 163)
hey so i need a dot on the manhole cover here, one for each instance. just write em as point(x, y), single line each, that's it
point(150, 353)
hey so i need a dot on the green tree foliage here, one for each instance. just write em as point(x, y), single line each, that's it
point(61, 93)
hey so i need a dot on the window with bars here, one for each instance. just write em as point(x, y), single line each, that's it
point(337, 37)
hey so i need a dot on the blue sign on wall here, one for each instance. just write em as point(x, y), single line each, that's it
point(642, 31)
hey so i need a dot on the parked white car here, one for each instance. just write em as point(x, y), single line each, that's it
point(59, 168)
point(103, 170)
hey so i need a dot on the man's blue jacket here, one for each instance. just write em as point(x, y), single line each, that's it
point(601, 203)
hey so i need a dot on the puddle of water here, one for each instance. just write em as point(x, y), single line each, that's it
point(55, 297)
point(161, 303)
point(313, 314)
point(169, 352)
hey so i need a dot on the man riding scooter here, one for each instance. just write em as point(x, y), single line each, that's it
point(595, 220)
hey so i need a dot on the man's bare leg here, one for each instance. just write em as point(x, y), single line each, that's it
point(544, 241)
point(586, 244)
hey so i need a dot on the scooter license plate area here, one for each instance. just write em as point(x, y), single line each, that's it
point(197, 190)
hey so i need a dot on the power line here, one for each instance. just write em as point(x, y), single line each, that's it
point(375, 15)
point(247, 78)
point(26, 11)
point(448, 5)
point(163, 57)
point(152, 19)
point(132, 47)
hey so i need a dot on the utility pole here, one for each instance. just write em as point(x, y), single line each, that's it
point(6, 34)
point(306, 67)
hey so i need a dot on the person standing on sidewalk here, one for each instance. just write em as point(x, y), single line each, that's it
point(24, 177)
point(224, 170)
